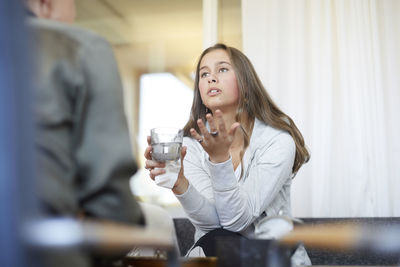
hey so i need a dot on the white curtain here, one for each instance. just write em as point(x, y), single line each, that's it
point(334, 67)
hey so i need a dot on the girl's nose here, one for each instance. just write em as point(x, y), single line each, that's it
point(212, 79)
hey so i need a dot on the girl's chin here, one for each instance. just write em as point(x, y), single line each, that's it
point(223, 108)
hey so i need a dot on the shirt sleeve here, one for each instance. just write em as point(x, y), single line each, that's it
point(239, 205)
point(198, 200)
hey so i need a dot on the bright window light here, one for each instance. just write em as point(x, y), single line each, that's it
point(165, 101)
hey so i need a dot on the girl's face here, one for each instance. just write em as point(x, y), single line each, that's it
point(217, 81)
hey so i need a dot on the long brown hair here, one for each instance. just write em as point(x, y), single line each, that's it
point(254, 102)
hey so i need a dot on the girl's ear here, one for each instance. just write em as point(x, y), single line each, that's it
point(45, 9)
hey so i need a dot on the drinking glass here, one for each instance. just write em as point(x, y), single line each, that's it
point(166, 143)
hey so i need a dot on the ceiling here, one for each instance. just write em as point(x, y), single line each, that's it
point(157, 35)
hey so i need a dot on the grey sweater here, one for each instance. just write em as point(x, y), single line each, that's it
point(82, 142)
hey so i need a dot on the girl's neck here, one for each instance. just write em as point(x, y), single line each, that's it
point(229, 117)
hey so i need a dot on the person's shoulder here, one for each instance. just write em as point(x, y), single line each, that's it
point(265, 135)
point(195, 152)
point(193, 146)
point(191, 142)
point(65, 31)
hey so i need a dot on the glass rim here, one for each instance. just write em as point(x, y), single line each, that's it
point(178, 130)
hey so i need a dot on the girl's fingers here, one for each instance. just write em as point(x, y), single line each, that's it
point(148, 140)
point(221, 122)
point(183, 153)
point(155, 172)
point(202, 128)
point(147, 152)
point(213, 127)
point(233, 129)
point(151, 164)
point(195, 135)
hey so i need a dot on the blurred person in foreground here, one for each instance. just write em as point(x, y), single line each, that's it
point(82, 140)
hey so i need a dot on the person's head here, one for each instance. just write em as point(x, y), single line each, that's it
point(217, 82)
point(252, 102)
point(60, 10)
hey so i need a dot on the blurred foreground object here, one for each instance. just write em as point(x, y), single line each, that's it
point(184, 262)
point(347, 236)
point(83, 150)
point(83, 153)
point(349, 241)
point(16, 176)
point(101, 236)
point(331, 236)
point(63, 237)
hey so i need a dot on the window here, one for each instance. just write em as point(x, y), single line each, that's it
point(165, 101)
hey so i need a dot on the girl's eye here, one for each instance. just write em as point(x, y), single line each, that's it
point(223, 70)
point(204, 74)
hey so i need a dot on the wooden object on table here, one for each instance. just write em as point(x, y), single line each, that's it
point(94, 235)
point(329, 236)
point(346, 236)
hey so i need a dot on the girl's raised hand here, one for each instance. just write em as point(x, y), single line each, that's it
point(218, 140)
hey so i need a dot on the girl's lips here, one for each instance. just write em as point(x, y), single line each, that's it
point(213, 91)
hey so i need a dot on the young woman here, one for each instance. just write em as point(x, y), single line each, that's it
point(240, 151)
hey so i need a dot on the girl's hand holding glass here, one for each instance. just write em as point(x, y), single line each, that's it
point(163, 153)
